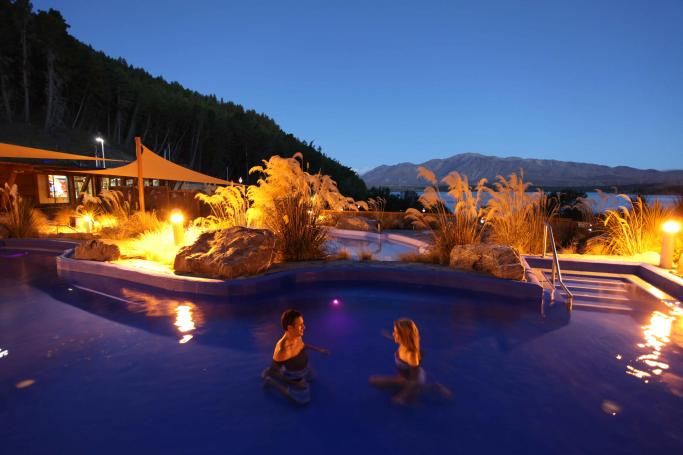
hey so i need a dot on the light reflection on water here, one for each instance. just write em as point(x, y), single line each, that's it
point(186, 316)
point(657, 336)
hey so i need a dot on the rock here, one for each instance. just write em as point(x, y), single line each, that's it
point(501, 261)
point(355, 223)
point(97, 250)
point(228, 253)
point(4, 232)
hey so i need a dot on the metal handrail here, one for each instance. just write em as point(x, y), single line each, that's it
point(555, 264)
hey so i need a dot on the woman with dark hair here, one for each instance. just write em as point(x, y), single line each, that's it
point(289, 372)
point(411, 377)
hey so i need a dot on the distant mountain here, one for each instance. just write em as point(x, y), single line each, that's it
point(545, 173)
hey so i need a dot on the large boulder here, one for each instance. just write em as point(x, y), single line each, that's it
point(97, 250)
point(501, 261)
point(355, 223)
point(228, 253)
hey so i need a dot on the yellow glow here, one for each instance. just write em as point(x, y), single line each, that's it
point(671, 227)
point(87, 219)
point(183, 319)
point(177, 217)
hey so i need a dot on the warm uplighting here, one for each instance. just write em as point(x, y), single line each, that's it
point(177, 217)
point(87, 222)
point(670, 229)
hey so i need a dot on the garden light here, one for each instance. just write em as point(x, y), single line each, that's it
point(177, 220)
point(670, 229)
point(87, 220)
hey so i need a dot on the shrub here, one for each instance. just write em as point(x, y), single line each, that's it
point(448, 230)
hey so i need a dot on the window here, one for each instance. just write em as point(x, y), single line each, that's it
point(53, 189)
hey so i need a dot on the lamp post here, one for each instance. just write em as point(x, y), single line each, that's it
point(101, 141)
point(670, 229)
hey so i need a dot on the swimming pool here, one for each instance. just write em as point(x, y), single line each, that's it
point(145, 372)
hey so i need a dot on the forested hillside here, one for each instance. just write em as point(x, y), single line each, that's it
point(55, 91)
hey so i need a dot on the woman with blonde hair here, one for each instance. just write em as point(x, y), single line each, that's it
point(411, 377)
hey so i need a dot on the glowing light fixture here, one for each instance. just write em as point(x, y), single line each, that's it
point(335, 302)
point(101, 141)
point(670, 229)
point(177, 220)
point(88, 221)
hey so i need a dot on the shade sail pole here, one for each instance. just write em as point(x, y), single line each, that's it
point(141, 186)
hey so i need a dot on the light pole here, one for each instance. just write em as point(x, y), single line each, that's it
point(101, 141)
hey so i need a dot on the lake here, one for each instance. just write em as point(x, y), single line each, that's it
point(600, 201)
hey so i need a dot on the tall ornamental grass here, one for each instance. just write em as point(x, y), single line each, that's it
point(288, 201)
point(634, 227)
point(461, 227)
point(229, 206)
point(21, 218)
point(516, 216)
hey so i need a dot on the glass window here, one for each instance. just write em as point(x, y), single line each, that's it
point(53, 189)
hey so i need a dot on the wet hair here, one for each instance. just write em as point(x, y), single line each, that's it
point(408, 335)
point(288, 317)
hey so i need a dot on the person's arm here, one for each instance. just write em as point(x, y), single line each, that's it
point(317, 349)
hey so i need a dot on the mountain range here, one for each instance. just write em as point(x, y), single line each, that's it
point(543, 173)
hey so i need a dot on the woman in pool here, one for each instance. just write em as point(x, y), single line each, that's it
point(411, 378)
point(289, 373)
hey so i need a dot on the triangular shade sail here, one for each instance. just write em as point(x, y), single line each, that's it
point(155, 167)
point(18, 151)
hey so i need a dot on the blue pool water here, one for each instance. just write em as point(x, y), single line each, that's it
point(85, 373)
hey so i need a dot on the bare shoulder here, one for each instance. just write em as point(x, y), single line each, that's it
point(280, 351)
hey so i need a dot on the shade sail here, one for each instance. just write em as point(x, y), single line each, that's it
point(156, 167)
point(18, 151)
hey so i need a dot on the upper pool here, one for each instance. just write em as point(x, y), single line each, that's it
point(141, 372)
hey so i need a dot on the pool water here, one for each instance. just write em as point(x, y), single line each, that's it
point(146, 372)
point(384, 250)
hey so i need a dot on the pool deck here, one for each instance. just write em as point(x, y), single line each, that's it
point(285, 276)
point(281, 276)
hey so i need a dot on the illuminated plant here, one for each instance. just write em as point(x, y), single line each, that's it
point(634, 227)
point(21, 220)
point(229, 206)
point(288, 201)
point(157, 244)
point(516, 216)
point(463, 226)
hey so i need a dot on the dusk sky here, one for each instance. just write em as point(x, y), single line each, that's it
point(383, 82)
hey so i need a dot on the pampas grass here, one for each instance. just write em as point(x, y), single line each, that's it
point(288, 201)
point(634, 227)
point(22, 219)
point(229, 206)
point(517, 217)
point(448, 230)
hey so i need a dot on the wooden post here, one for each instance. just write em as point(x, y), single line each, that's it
point(141, 185)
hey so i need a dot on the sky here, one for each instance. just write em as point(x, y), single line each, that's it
point(382, 82)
